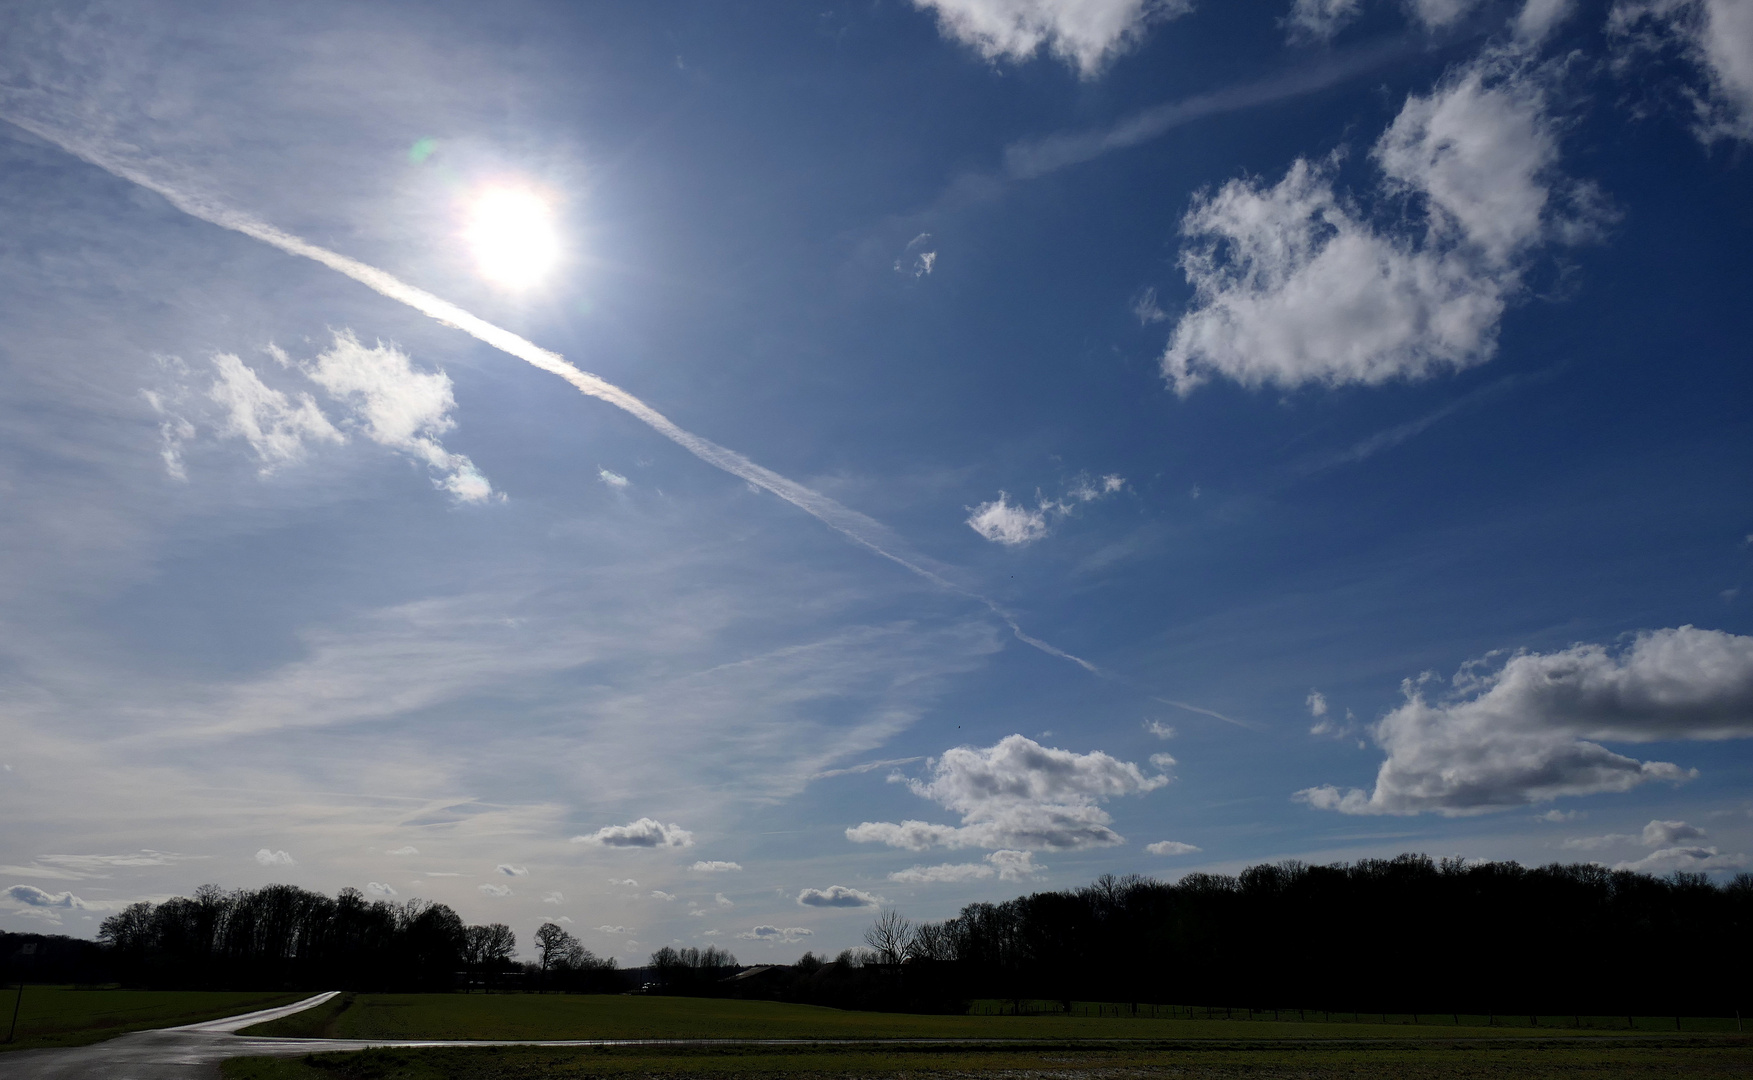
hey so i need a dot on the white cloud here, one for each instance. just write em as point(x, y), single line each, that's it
point(1171, 847)
point(498, 891)
point(398, 407)
point(715, 866)
point(722, 900)
point(1669, 833)
point(644, 833)
point(616, 929)
point(1538, 18)
point(1555, 815)
point(408, 850)
point(82, 867)
point(511, 871)
point(1007, 865)
point(1716, 36)
point(659, 894)
point(1159, 729)
point(1317, 703)
point(553, 898)
point(1691, 859)
point(1013, 524)
point(625, 882)
point(1436, 14)
point(1004, 522)
point(1162, 762)
point(613, 479)
point(1294, 285)
point(781, 934)
point(1084, 33)
point(923, 261)
point(32, 897)
point(264, 857)
point(838, 896)
point(1320, 19)
point(1526, 732)
point(1016, 794)
point(275, 426)
point(1146, 309)
point(378, 888)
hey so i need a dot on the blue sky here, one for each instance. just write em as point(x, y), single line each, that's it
point(1105, 436)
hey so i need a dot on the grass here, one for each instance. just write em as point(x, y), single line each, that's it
point(1705, 1058)
point(50, 1016)
point(566, 1016)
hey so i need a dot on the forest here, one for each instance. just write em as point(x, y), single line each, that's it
point(1404, 935)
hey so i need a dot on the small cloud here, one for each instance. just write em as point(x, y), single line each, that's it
point(495, 890)
point(659, 894)
point(553, 898)
point(614, 480)
point(624, 882)
point(1558, 816)
point(837, 896)
point(32, 897)
point(722, 900)
point(567, 919)
point(1162, 762)
point(273, 858)
point(1669, 833)
point(1145, 307)
point(643, 833)
point(779, 934)
point(512, 871)
point(714, 866)
point(378, 888)
point(407, 850)
point(1691, 859)
point(616, 929)
point(1007, 523)
point(1159, 729)
point(1317, 703)
point(922, 263)
point(1171, 847)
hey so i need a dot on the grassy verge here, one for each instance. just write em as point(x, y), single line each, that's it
point(614, 1016)
point(1705, 1058)
point(51, 1016)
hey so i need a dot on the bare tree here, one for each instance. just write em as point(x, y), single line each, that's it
point(891, 936)
point(932, 941)
point(555, 947)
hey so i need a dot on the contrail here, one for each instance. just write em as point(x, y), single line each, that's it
point(860, 529)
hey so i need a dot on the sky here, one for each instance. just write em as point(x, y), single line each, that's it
point(701, 473)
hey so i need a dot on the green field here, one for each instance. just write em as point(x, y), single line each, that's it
point(1703, 1058)
point(65, 1016)
point(596, 1016)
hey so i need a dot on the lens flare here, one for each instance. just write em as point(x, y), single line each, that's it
point(513, 235)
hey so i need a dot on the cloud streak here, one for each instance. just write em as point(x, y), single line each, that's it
point(859, 528)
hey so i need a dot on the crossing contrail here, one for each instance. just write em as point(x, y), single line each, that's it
point(860, 529)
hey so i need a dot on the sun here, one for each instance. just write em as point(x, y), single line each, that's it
point(513, 234)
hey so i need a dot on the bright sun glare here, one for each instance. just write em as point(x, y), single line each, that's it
point(513, 235)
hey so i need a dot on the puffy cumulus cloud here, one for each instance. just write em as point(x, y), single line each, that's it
point(30, 896)
point(659, 894)
point(1172, 847)
point(511, 871)
point(1016, 794)
point(1005, 864)
point(1294, 284)
point(1714, 35)
point(379, 888)
point(409, 849)
point(1159, 729)
point(265, 857)
point(1691, 859)
point(1669, 833)
point(837, 896)
point(396, 406)
point(715, 866)
point(1013, 524)
point(1004, 522)
point(274, 425)
point(495, 891)
point(1084, 33)
point(1530, 730)
point(783, 935)
point(1317, 703)
point(722, 900)
point(644, 833)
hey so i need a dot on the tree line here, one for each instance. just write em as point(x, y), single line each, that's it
point(285, 936)
point(1405, 935)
